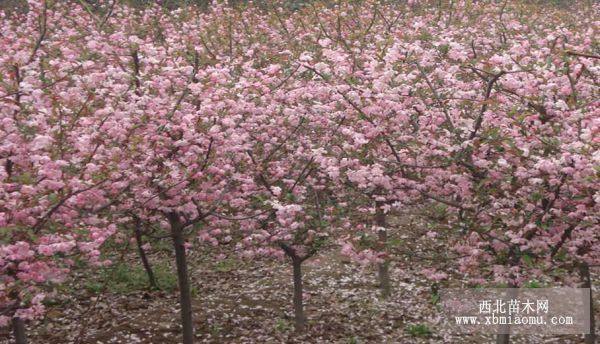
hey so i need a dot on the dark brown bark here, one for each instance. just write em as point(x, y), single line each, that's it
point(136, 72)
point(19, 331)
point(8, 168)
point(185, 297)
point(145, 262)
point(586, 282)
point(384, 274)
point(300, 317)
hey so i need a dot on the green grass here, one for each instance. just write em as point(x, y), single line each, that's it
point(282, 325)
point(352, 340)
point(395, 242)
point(435, 299)
point(123, 278)
point(225, 265)
point(533, 284)
point(418, 330)
point(215, 330)
point(94, 287)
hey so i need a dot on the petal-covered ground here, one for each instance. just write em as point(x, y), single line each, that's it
point(249, 301)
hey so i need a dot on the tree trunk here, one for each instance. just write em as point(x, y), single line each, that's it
point(503, 339)
point(185, 298)
point(512, 294)
point(300, 318)
point(384, 273)
point(586, 282)
point(143, 257)
point(19, 331)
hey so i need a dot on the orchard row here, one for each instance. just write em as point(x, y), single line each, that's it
point(278, 132)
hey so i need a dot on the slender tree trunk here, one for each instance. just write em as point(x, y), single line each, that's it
point(384, 273)
point(300, 318)
point(142, 253)
point(19, 331)
point(505, 338)
point(586, 282)
point(185, 298)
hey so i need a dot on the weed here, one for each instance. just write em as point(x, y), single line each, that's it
point(418, 330)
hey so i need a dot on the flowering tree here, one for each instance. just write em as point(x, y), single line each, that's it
point(282, 130)
point(293, 213)
point(513, 140)
point(182, 146)
point(52, 188)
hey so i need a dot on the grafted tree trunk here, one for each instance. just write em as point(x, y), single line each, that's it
point(142, 253)
point(19, 330)
point(586, 282)
point(384, 273)
point(185, 297)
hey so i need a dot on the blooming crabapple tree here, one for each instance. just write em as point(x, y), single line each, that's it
point(285, 121)
point(294, 212)
point(182, 145)
point(54, 187)
point(481, 142)
point(124, 121)
point(437, 76)
point(381, 155)
point(318, 122)
point(518, 156)
point(515, 139)
point(520, 167)
point(527, 165)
